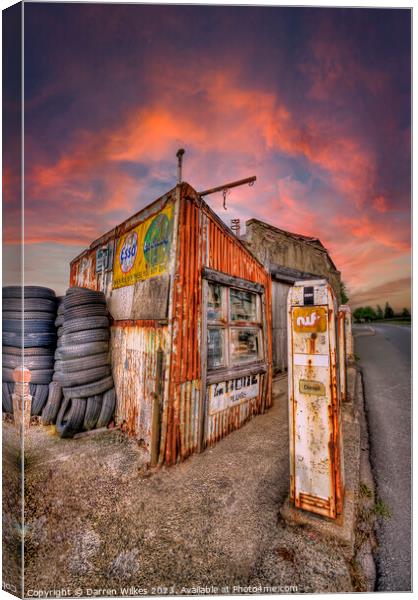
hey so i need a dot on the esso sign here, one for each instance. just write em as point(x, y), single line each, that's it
point(128, 252)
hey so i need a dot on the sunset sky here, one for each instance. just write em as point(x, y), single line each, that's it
point(314, 102)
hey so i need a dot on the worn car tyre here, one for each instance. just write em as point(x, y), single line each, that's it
point(81, 350)
point(81, 298)
point(30, 326)
point(42, 376)
point(70, 417)
point(30, 340)
point(87, 362)
point(52, 406)
point(108, 408)
point(85, 337)
point(28, 315)
point(29, 291)
point(86, 310)
point(90, 389)
point(85, 324)
point(39, 399)
point(7, 403)
point(59, 321)
point(85, 377)
point(93, 408)
point(11, 361)
point(30, 304)
point(28, 351)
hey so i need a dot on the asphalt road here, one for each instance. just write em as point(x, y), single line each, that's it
point(385, 357)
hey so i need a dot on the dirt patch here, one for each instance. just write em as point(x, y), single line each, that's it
point(94, 521)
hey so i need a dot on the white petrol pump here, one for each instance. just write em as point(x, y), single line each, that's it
point(316, 458)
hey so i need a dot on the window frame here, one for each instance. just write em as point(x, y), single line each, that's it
point(227, 324)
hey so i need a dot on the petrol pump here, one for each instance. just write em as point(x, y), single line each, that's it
point(316, 457)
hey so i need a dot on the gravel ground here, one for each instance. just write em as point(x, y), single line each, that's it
point(96, 520)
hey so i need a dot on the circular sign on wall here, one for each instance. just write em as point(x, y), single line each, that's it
point(128, 252)
point(157, 240)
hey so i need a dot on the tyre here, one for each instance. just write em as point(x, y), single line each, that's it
point(81, 298)
point(30, 340)
point(93, 409)
point(11, 361)
point(81, 350)
point(28, 315)
point(70, 417)
point(29, 291)
point(86, 310)
point(59, 321)
point(28, 351)
point(32, 389)
point(32, 326)
point(43, 376)
point(108, 408)
point(39, 399)
point(88, 362)
point(85, 337)
point(30, 304)
point(60, 309)
point(7, 404)
point(85, 324)
point(78, 378)
point(60, 332)
point(90, 389)
point(52, 406)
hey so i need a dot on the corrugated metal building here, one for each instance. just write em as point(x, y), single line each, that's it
point(191, 338)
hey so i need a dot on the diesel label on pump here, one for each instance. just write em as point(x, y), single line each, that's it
point(316, 388)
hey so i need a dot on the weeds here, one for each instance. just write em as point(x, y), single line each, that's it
point(365, 491)
point(381, 509)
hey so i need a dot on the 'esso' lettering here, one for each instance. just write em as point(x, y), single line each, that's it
point(128, 252)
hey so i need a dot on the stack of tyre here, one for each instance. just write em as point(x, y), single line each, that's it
point(29, 333)
point(51, 408)
point(82, 367)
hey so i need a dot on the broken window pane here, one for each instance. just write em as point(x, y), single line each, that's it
point(215, 312)
point(243, 305)
point(216, 348)
point(244, 345)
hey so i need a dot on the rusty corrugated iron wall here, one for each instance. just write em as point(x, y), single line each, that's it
point(135, 350)
point(204, 241)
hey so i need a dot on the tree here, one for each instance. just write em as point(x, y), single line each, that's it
point(406, 314)
point(365, 313)
point(379, 312)
point(369, 313)
point(358, 314)
point(389, 312)
point(343, 292)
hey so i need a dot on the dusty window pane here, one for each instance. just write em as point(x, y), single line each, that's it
point(216, 347)
point(244, 345)
point(214, 302)
point(243, 305)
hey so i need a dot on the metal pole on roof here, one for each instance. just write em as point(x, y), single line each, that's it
point(179, 155)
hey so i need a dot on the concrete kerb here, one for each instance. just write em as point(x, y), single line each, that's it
point(343, 529)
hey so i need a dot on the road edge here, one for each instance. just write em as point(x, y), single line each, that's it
point(363, 565)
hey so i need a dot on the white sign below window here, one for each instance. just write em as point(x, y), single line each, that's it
point(226, 394)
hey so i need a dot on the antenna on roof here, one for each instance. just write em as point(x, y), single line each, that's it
point(179, 155)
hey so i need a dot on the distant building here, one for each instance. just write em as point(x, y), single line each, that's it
point(288, 257)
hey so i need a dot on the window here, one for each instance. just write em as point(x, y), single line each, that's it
point(234, 326)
